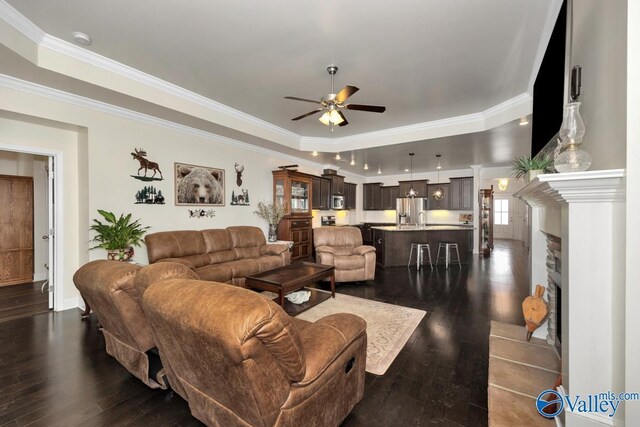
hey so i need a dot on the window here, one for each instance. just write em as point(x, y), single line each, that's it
point(501, 212)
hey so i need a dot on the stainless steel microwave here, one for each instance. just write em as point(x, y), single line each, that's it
point(337, 202)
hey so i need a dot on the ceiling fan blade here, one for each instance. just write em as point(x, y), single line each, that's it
point(295, 98)
point(345, 92)
point(308, 114)
point(370, 108)
point(344, 122)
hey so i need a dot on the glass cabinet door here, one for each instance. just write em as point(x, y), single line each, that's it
point(299, 196)
point(279, 192)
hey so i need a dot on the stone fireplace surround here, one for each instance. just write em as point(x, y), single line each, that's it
point(586, 210)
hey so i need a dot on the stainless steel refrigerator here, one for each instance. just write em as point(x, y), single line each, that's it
point(411, 210)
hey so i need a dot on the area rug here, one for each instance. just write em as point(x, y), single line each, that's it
point(388, 326)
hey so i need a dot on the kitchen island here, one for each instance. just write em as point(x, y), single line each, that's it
point(393, 243)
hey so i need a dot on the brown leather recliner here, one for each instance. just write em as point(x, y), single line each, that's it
point(242, 361)
point(111, 288)
point(342, 247)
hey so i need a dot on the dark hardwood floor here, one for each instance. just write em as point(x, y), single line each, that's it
point(54, 370)
point(17, 301)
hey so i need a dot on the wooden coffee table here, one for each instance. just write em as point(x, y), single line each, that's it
point(290, 278)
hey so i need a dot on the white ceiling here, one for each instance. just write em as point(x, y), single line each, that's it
point(424, 60)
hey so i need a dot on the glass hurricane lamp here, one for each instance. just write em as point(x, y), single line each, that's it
point(572, 158)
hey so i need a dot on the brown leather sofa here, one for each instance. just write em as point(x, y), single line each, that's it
point(240, 360)
point(109, 289)
point(342, 247)
point(219, 255)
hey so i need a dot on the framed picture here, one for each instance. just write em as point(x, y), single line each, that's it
point(198, 185)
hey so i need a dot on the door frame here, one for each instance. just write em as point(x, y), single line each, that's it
point(58, 253)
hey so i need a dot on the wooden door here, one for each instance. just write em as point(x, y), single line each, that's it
point(16, 230)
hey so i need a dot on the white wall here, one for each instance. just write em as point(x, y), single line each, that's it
point(632, 296)
point(22, 164)
point(98, 165)
point(600, 47)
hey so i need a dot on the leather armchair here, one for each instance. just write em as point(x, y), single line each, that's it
point(342, 247)
point(109, 287)
point(241, 360)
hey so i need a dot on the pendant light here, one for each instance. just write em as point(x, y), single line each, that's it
point(438, 194)
point(412, 192)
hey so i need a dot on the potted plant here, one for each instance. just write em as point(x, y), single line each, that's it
point(273, 214)
point(530, 167)
point(117, 235)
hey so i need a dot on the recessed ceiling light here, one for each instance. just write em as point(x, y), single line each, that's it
point(524, 121)
point(314, 154)
point(406, 170)
point(81, 38)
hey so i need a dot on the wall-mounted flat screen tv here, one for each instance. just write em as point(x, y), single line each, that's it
point(548, 89)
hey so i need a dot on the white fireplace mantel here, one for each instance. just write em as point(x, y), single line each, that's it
point(587, 211)
point(578, 187)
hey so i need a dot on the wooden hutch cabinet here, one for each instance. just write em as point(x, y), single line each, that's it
point(294, 191)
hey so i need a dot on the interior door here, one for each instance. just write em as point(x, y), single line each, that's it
point(50, 226)
point(503, 218)
point(16, 230)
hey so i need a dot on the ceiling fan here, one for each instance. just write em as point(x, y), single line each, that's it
point(333, 103)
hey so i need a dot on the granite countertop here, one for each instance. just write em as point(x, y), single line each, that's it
point(436, 227)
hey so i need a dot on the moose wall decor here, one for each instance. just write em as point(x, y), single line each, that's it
point(141, 156)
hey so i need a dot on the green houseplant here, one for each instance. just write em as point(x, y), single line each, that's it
point(273, 214)
point(529, 167)
point(117, 235)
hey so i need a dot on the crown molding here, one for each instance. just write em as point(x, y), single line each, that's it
point(13, 83)
point(191, 103)
point(20, 23)
point(511, 109)
point(601, 186)
point(68, 49)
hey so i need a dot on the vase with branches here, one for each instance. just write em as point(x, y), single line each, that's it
point(273, 214)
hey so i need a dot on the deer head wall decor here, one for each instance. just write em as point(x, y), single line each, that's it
point(239, 170)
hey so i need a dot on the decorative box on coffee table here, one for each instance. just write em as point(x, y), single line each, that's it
point(291, 278)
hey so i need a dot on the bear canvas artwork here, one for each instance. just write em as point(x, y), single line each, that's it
point(199, 185)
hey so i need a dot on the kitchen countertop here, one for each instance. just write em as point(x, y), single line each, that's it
point(435, 227)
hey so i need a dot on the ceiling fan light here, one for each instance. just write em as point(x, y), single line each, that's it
point(325, 118)
point(335, 117)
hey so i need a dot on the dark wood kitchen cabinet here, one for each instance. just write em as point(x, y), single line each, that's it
point(442, 203)
point(461, 194)
point(337, 183)
point(389, 196)
point(372, 197)
point(349, 195)
point(321, 193)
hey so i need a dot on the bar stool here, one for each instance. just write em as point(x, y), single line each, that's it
point(447, 255)
point(420, 247)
